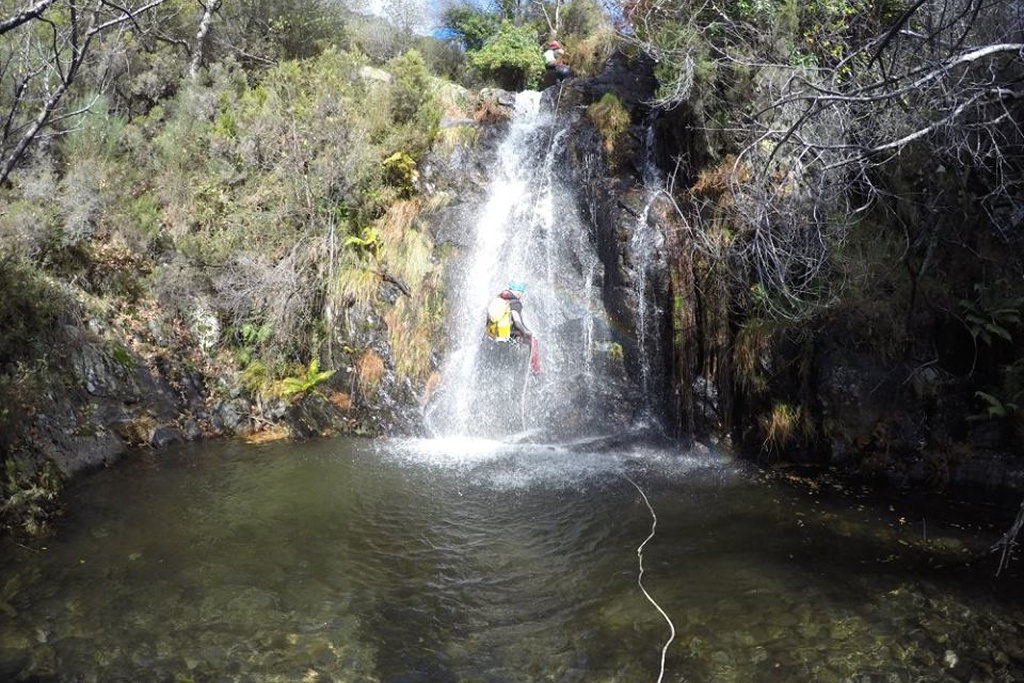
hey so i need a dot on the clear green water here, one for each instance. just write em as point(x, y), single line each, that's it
point(471, 561)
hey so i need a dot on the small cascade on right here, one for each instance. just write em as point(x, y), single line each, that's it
point(645, 244)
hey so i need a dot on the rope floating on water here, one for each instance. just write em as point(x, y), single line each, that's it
point(640, 577)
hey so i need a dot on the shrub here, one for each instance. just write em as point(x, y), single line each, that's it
point(410, 88)
point(588, 36)
point(470, 26)
point(512, 56)
point(30, 308)
point(443, 59)
point(28, 228)
point(252, 288)
point(400, 172)
point(610, 117)
point(588, 54)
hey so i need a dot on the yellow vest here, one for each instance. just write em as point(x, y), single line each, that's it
point(499, 320)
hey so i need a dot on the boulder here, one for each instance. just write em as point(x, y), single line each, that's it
point(163, 436)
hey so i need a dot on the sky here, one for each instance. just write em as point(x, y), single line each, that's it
point(427, 12)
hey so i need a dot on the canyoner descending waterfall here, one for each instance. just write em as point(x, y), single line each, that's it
point(529, 230)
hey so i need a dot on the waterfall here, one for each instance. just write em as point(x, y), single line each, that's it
point(645, 243)
point(527, 229)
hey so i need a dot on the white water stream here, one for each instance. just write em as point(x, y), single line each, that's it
point(645, 243)
point(529, 229)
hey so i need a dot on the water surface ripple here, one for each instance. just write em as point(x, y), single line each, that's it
point(468, 560)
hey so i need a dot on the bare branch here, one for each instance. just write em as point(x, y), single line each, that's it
point(56, 73)
point(24, 16)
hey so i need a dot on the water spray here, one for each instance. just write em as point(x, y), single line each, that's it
point(554, 117)
point(640, 577)
point(526, 385)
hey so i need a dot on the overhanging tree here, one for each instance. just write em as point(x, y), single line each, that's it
point(512, 55)
point(44, 49)
point(817, 99)
point(470, 25)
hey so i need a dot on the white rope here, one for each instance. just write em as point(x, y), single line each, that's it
point(640, 577)
point(554, 116)
point(526, 383)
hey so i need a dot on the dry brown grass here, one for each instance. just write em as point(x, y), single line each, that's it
point(270, 433)
point(752, 342)
point(488, 110)
point(410, 331)
point(369, 370)
point(407, 255)
point(780, 426)
point(716, 183)
point(399, 218)
point(341, 399)
point(589, 54)
point(136, 432)
point(430, 386)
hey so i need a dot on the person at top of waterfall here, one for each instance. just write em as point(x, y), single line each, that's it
point(505, 321)
point(554, 59)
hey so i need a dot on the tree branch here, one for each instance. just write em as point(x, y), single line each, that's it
point(26, 15)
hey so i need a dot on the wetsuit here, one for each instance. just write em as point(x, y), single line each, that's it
point(519, 329)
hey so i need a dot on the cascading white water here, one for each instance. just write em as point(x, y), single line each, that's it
point(528, 229)
point(498, 218)
point(644, 243)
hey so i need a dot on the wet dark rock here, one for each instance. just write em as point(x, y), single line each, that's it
point(162, 437)
point(631, 79)
point(312, 416)
point(447, 226)
point(191, 430)
point(865, 403)
point(990, 475)
point(705, 394)
point(988, 435)
point(74, 455)
point(230, 416)
point(612, 192)
point(898, 424)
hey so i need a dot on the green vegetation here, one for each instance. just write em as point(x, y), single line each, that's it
point(246, 185)
point(472, 25)
point(845, 173)
point(28, 502)
point(30, 308)
point(512, 56)
point(610, 118)
point(305, 381)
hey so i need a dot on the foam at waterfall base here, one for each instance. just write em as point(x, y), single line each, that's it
point(518, 462)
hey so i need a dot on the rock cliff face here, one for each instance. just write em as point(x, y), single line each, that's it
point(618, 191)
point(889, 420)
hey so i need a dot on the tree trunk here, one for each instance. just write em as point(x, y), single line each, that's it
point(199, 51)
